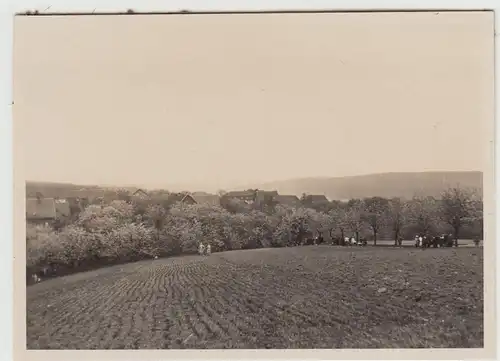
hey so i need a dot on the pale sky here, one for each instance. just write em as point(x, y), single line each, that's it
point(212, 101)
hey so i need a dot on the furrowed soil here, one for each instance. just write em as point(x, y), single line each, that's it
point(302, 297)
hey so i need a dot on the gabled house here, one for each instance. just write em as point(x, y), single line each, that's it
point(318, 198)
point(248, 196)
point(251, 196)
point(184, 198)
point(208, 199)
point(289, 200)
point(263, 196)
point(188, 199)
point(40, 210)
point(140, 193)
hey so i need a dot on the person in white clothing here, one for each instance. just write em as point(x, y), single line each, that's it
point(209, 249)
point(201, 249)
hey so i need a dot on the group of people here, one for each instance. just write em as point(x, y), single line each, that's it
point(312, 241)
point(354, 242)
point(349, 241)
point(204, 250)
point(424, 241)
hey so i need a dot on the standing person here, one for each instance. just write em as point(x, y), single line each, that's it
point(201, 249)
point(420, 240)
point(209, 249)
point(353, 240)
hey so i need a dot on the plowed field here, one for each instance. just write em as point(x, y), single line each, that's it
point(304, 297)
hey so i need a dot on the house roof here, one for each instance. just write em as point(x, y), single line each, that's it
point(43, 208)
point(263, 194)
point(287, 199)
point(180, 197)
point(187, 197)
point(86, 193)
point(238, 194)
point(318, 198)
point(270, 193)
point(210, 199)
point(34, 194)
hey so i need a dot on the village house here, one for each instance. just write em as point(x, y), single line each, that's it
point(248, 196)
point(208, 199)
point(289, 200)
point(251, 196)
point(40, 210)
point(46, 210)
point(188, 199)
point(314, 199)
point(317, 198)
point(141, 194)
point(182, 197)
point(263, 196)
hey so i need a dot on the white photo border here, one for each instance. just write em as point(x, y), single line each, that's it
point(9, 8)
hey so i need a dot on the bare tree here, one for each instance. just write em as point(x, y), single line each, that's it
point(339, 219)
point(457, 209)
point(374, 213)
point(397, 216)
point(423, 213)
point(354, 217)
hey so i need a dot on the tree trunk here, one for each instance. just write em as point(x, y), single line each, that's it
point(300, 236)
point(456, 231)
point(374, 237)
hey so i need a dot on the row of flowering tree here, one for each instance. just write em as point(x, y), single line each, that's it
point(126, 230)
point(456, 211)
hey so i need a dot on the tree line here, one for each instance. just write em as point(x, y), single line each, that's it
point(126, 229)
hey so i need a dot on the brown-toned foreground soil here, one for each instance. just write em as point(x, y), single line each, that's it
point(304, 297)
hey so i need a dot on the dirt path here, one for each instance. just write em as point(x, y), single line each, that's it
point(307, 297)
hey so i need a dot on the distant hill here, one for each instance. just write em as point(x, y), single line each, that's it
point(50, 189)
point(388, 185)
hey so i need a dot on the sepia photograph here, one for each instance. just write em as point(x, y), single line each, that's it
point(291, 180)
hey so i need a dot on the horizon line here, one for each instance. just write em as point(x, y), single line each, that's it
point(136, 185)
